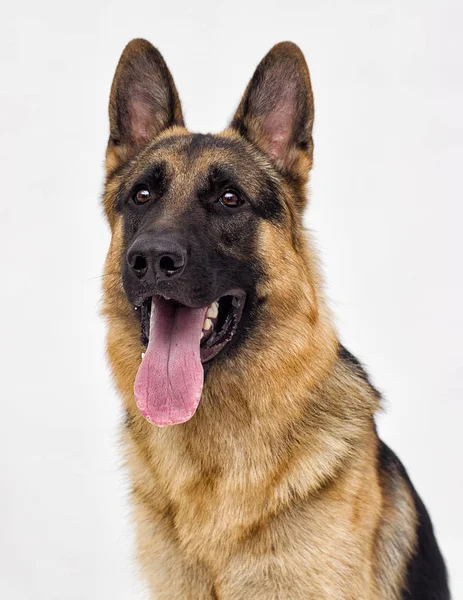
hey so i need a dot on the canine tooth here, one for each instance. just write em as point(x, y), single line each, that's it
point(142, 355)
point(207, 324)
point(202, 335)
point(213, 310)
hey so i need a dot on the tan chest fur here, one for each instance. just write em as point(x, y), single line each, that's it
point(255, 539)
point(259, 515)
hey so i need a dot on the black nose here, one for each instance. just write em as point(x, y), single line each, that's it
point(156, 258)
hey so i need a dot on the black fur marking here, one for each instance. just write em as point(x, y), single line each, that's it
point(196, 142)
point(356, 366)
point(271, 203)
point(154, 177)
point(214, 593)
point(167, 142)
point(426, 573)
point(268, 205)
point(201, 141)
point(220, 178)
point(129, 420)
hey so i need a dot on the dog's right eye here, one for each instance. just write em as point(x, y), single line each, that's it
point(142, 195)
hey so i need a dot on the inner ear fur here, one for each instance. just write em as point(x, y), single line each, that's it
point(143, 101)
point(276, 112)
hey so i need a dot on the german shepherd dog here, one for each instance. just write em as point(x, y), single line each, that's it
point(256, 470)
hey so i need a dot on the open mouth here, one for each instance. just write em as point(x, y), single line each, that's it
point(219, 326)
point(178, 340)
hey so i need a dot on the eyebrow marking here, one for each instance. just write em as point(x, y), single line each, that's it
point(155, 175)
point(218, 177)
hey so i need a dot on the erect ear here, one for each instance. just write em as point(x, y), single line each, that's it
point(276, 111)
point(143, 101)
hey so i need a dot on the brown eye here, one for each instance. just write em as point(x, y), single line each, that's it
point(230, 200)
point(142, 196)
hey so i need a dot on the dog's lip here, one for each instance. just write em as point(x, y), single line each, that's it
point(138, 303)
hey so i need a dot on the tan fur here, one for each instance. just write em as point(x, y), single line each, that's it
point(272, 490)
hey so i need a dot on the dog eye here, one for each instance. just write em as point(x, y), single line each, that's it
point(142, 196)
point(230, 200)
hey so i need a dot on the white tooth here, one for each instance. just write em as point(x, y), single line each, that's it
point(207, 324)
point(142, 355)
point(202, 335)
point(213, 310)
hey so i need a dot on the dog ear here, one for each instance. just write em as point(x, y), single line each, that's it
point(276, 112)
point(143, 100)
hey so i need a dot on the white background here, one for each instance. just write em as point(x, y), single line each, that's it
point(386, 210)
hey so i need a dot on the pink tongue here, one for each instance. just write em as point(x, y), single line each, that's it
point(169, 381)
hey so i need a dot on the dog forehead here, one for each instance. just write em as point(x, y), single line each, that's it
point(194, 160)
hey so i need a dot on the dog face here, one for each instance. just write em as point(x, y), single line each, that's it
point(206, 228)
point(190, 216)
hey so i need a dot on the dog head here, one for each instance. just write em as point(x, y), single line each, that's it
point(208, 251)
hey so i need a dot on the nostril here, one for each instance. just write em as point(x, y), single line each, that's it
point(168, 266)
point(139, 264)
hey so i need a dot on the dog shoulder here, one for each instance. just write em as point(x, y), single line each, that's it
point(407, 527)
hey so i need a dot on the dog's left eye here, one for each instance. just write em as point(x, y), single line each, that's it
point(142, 195)
point(230, 199)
